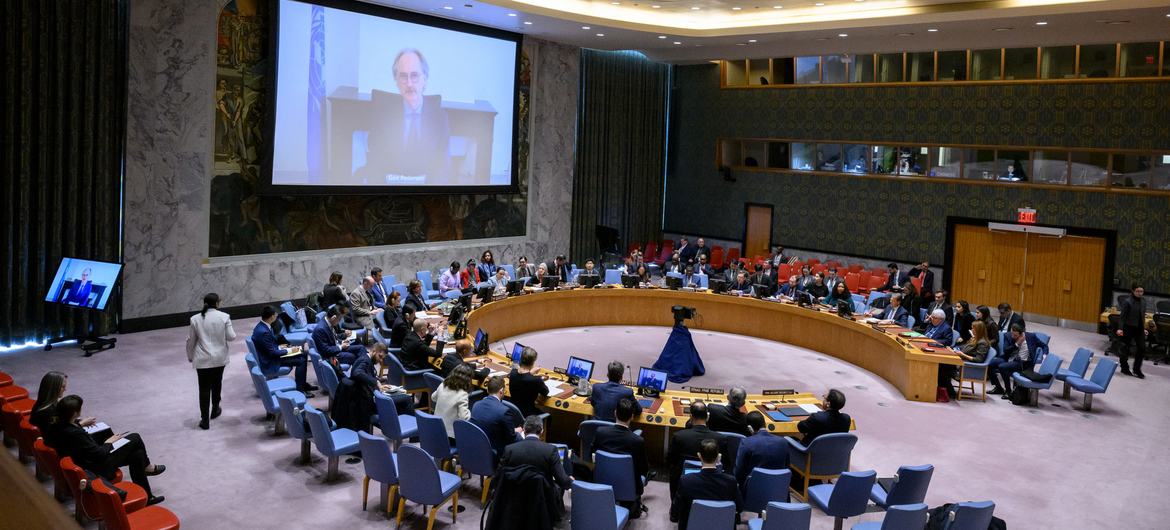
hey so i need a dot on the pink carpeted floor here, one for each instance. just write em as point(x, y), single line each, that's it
point(1050, 467)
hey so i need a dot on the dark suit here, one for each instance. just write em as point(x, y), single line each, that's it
point(895, 281)
point(71, 440)
point(452, 360)
point(363, 373)
point(79, 292)
point(543, 456)
point(684, 445)
point(1132, 322)
point(524, 390)
point(947, 308)
point(723, 418)
point(898, 314)
point(605, 399)
point(391, 151)
point(498, 421)
point(1005, 324)
point(927, 281)
point(707, 484)
point(823, 422)
point(269, 355)
point(331, 295)
point(562, 271)
point(417, 352)
point(327, 344)
point(399, 330)
point(487, 270)
point(416, 301)
point(760, 450)
point(621, 440)
point(687, 254)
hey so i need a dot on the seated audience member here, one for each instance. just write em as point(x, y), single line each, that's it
point(362, 305)
point(620, 439)
point(818, 290)
point(684, 444)
point(690, 279)
point(762, 450)
point(926, 276)
point(765, 275)
point(403, 325)
point(685, 251)
point(69, 439)
point(806, 278)
point(559, 267)
point(487, 265)
point(469, 277)
point(328, 345)
point(675, 264)
point(589, 270)
point(515, 505)
point(894, 313)
point(729, 417)
point(702, 251)
point(974, 351)
point(1009, 318)
point(790, 288)
point(643, 274)
point(541, 273)
point(525, 387)
point(742, 283)
point(353, 405)
point(456, 359)
point(379, 291)
point(390, 314)
point(525, 269)
point(704, 267)
point(896, 280)
point(937, 327)
point(499, 283)
point(831, 279)
point(840, 293)
point(363, 372)
point(939, 301)
point(416, 347)
point(44, 410)
point(828, 421)
point(962, 321)
point(531, 451)
point(606, 395)
point(983, 314)
point(334, 293)
point(270, 357)
point(449, 280)
point(500, 422)
point(1016, 355)
point(451, 399)
point(708, 484)
point(414, 296)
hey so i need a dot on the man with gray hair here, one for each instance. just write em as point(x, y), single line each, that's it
point(938, 329)
point(362, 303)
point(536, 453)
point(730, 417)
point(411, 136)
point(416, 347)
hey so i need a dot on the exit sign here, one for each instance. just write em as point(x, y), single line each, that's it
point(1026, 215)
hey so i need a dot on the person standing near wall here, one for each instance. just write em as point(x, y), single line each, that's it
point(208, 347)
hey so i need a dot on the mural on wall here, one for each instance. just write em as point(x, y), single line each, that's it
point(244, 222)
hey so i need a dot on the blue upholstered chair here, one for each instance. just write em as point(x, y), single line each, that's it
point(1076, 368)
point(678, 275)
point(765, 486)
point(452, 294)
point(394, 427)
point(848, 497)
point(783, 516)
point(701, 280)
point(327, 376)
point(510, 270)
point(733, 440)
point(380, 465)
point(874, 296)
point(1042, 351)
point(290, 405)
point(293, 333)
point(250, 357)
point(411, 380)
point(330, 442)
point(428, 284)
point(825, 458)
point(1049, 367)
point(543, 416)
point(594, 508)
point(432, 436)
point(617, 471)
point(712, 515)
point(268, 399)
point(1098, 383)
point(899, 517)
point(613, 276)
point(402, 292)
point(910, 485)
point(586, 431)
point(433, 380)
point(971, 373)
point(427, 485)
point(475, 455)
point(969, 516)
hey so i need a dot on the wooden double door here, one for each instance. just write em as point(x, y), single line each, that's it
point(1053, 276)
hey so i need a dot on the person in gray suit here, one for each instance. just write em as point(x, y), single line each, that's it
point(363, 305)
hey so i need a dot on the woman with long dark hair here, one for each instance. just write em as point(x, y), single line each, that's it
point(208, 349)
point(963, 321)
point(45, 410)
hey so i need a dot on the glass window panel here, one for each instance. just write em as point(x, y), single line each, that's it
point(730, 152)
point(834, 69)
point(783, 71)
point(884, 160)
point(952, 65)
point(1088, 169)
point(985, 64)
point(979, 164)
point(804, 156)
point(808, 70)
point(920, 66)
point(861, 69)
point(854, 155)
point(945, 161)
point(754, 153)
point(1139, 59)
point(889, 68)
point(1098, 60)
point(1019, 63)
point(1058, 62)
point(829, 157)
point(778, 155)
point(1012, 166)
point(1131, 171)
point(1160, 175)
point(912, 160)
point(1050, 167)
point(736, 73)
point(758, 72)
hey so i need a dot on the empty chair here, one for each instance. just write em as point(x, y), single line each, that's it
point(433, 380)
point(971, 373)
point(765, 486)
point(428, 284)
point(848, 497)
point(380, 465)
point(969, 516)
point(85, 502)
point(874, 296)
point(613, 276)
point(711, 515)
point(427, 485)
point(47, 460)
point(617, 471)
point(1098, 383)
point(290, 403)
point(394, 427)
point(1049, 367)
point(594, 508)
point(432, 436)
point(329, 442)
point(717, 257)
point(328, 379)
point(268, 399)
point(5, 379)
point(411, 380)
point(782, 516)
point(899, 517)
point(12, 393)
point(475, 454)
point(1076, 368)
point(586, 431)
point(910, 484)
point(11, 413)
point(825, 458)
point(115, 517)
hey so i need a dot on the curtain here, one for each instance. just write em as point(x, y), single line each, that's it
point(62, 135)
point(621, 149)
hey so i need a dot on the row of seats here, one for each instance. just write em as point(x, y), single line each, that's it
point(1073, 377)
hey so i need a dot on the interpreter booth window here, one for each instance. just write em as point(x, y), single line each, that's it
point(1160, 175)
point(778, 155)
point(755, 153)
point(946, 162)
point(1139, 59)
point(985, 64)
point(1088, 168)
point(758, 73)
point(808, 70)
point(853, 156)
point(833, 70)
point(1098, 60)
point(783, 71)
point(899, 160)
point(804, 156)
point(979, 164)
point(829, 157)
point(889, 68)
point(1012, 166)
point(920, 66)
point(1058, 62)
point(861, 69)
point(952, 65)
point(1132, 171)
point(1050, 167)
point(730, 153)
point(1019, 63)
point(736, 73)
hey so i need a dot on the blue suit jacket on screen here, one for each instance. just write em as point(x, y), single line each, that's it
point(268, 352)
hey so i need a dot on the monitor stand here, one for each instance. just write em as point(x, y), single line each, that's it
point(90, 344)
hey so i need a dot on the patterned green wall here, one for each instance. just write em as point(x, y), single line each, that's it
point(906, 219)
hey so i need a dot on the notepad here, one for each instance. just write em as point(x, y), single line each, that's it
point(118, 444)
point(810, 408)
point(793, 411)
point(778, 416)
point(97, 427)
point(553, 386)
point(448, 350)
point(646, 403)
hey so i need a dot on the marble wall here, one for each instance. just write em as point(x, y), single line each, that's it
point(168, 174)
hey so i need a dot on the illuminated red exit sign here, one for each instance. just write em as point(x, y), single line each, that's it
point(1026, 215)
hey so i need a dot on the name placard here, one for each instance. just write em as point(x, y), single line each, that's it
point(779, 392)
point(706, 390)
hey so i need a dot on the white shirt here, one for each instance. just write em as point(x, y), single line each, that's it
point(209, 339)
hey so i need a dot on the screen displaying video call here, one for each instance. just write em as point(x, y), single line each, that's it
point(369, 99)
point(83, 283)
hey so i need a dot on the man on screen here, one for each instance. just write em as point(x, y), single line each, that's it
point(410, 136)
point(80, 289)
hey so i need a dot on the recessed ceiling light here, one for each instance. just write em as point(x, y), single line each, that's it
point(677, 42)
point(616, 3)
point(751, 40)
point(600, 34)
point(1002, 29)
point(527, 23)
point(448, 8)
point(736, 8)
point(904, 35)
point(511, 14)
point(696, 8)
point(662, 36)
point(842, 34)
point(585, 27)
point(1042, 23)
point(782, 7)
point(656, 6)
point(818, 4)
point(932, 30)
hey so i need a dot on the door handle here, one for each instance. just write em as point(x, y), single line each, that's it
point(1030, 280)
point(1016, 280)
point(981, 274)
point(1067, 285)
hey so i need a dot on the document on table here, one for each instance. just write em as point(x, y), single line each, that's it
point(554, 387)
point(810, 408)
point(97, 427)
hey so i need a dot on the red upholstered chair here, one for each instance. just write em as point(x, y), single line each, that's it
point(115, 515)
point(852, 281)
point(49, 463)
point(10, 414)
point(862, 282)
point(856, 267)
point(12, 393)
point(783, 272)
point(87, 504)
point(917, 283)
point(5, 379)
point(668, 244)
point(876, 282)
point(717, 258)
point(632, 247)
point(651, 251)
point(25, 437)
point(814, 262)
point(664, 256)
point(797, 264)
point(733, 254)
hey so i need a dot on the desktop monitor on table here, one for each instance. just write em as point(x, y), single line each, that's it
point(718, 285)
point(515, 286)
point(550, 282)
point(517, 351)
point(589, 281)
point(651, 379)
point(481, 341)
point(465, 301)
point(630, 280)
point(674, 282)
point(485, 294)
point(579, 369)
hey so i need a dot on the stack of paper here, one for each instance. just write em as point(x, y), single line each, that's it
point(554, 387)
point(97, 427)
point(810, 408)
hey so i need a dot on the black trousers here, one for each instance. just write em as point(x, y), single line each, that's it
point(1132, 335)
point(210, 384)
point(132, 455)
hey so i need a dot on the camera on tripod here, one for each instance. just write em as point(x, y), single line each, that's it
point(682, 313)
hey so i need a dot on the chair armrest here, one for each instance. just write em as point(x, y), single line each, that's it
point(795, 445)
point(416, 373)
point(638, 432)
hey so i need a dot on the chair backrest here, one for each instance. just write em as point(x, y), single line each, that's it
point(402, 292)
point(651, 251)
point(377, 459)
point(46, 457)
point(876, 281)
point(289, 310)
point(1080, 362)
point(511, 270)
point(717, 257)
point(701, 280)
point(970, 516)
point(293, 422)
point(586, 431)
point(875, 296)
point(617, 471)
point(72, 475)
point(380, 319)
point(423, 486)
point(905, 516)
point(788, 516)
point(712, 515)
point(733, 440)
point(593, 507)
point(251, 345)
point(733, 254)
point(475, 449)
point(387, 416)
point(433, 435)
point(395, 372)
point(329, 377)
point(851, 493)
point(261, 385)
point(110, 506)
point(1051, 365)
point(425, 278)
point(784, 271)
point(829, 453)
point(319, 427)
point(613, 276)
point(911, 485)
point(433, 381)
point(1103, 373)
point(678, 275)
point(765, 486)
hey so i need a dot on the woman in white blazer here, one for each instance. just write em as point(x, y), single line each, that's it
point(208, 349)
point(451, 398)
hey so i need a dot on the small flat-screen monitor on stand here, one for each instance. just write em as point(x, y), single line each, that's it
point(550, 282)
point(630, 281)
point(579, 369)
point(651, 381)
